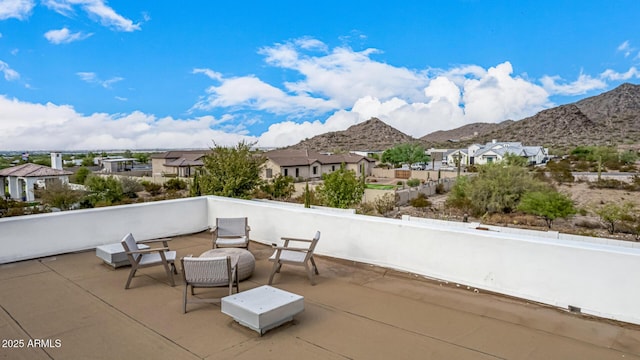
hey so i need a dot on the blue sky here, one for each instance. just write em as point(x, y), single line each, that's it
point(95, 74)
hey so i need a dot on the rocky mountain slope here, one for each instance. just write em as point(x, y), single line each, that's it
point(372, 134)
point(611, 118)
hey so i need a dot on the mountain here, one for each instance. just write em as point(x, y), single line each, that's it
point(372, 134)
point(611, 118)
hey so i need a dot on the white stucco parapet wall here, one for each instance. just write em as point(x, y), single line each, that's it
point(595, 277)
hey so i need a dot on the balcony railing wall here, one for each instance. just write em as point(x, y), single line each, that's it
point(597, 278)
point(33, 236)
point(594, 277)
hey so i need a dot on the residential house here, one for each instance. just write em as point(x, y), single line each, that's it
point(494, 151)
point(307, 164)
point(21, 179)
point(180, 163)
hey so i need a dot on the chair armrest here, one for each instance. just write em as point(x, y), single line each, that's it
point(295, 239)
point(150, 250)
point(153, 241)
point(213, 229)
point(290, 248)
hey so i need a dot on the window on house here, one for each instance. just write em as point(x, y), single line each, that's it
point(286, 172)
point(333, 168)
point(269, 173)
point(315, 170)
point(297, 173)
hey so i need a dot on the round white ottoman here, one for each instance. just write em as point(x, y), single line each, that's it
point(246, 261)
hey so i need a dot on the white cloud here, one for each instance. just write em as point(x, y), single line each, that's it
point(18, 9)
point(92, 78)
point(98, 9)
point(64, 36)
point(252, 93)
point(9, 73)
point(50, 126)
point(616, 76)
point(582, 85)
point(626, 48)
point(348, 87)
point(209, 73)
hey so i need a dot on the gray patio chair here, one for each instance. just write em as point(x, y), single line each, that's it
point(141, 258)
point(231, 232)
point(208, 272)
point(292, 255)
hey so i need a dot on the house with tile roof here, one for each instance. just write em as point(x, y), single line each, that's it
point(180, 163)
point(305, 164)
point(494, 151)
point(21, 179)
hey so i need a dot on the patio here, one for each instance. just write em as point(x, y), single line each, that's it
point(355, 311)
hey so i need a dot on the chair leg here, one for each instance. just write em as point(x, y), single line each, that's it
point(184, 299)
point(309, 273)
point(169, 274)
point(274, 270)
point(314, 266)
point(131, 275)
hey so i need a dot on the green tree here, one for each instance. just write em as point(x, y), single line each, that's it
point(87, 161)
point(103, 191)
point(231, 171)
point(194, 189)
point(611, 214)
point(60, 195)
point(549, 205)
point(81, 175)
point(341, 188)
point(405, 154)
point(128, 154)
point(498, 188)
point(280, 187)
point(142, 158)
point(459, 195)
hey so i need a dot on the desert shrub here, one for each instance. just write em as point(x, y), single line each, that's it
point(607, 184)
point(560, 171)
point(399, 183)
point(152, 188)
point(366, 208)
point(385, 203)
point(175, 184)
point(413, 182)
point(130, 187)
point(588, 224)
point(420, 201)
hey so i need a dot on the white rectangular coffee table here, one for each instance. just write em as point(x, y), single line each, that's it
point(114, 255)
point(262, 308)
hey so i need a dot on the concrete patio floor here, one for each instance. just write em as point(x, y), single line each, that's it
point(79, 308)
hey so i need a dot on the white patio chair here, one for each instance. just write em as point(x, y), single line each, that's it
point(292, 255)
point(141, 258)
point(231, 232)
point(208, 272)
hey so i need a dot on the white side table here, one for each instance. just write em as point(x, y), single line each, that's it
point(262, 308)
point(114, 255)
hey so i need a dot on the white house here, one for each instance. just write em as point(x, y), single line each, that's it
point(21, 179)
point(494, 151)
